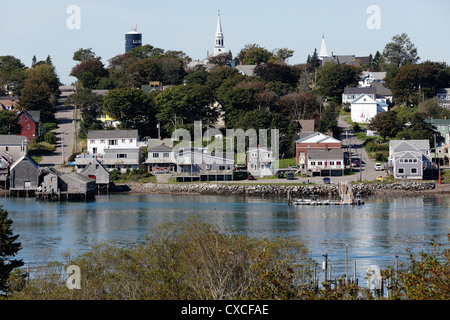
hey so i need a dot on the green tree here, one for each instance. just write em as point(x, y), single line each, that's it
point(133, 108)
point(9, 123)
point(276, 72)
point(89, 73)
point(414, 83)
point(387, 124)
point(12, 75)
point(85, 55)
point(314, 60)
point(253, 54)
point(281, 55)
point(401, 51)
point(183, 105)
point(418, 129)
point(9, 247)
point(329, 121)
point(332, 78)
point(90, 105)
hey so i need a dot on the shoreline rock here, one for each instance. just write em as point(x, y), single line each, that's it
point(396, 188)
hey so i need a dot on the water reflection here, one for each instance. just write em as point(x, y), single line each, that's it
point(376, 232)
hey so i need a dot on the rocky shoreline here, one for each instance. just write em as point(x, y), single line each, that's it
point(396, 188)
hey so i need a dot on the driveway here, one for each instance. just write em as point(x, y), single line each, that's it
point(64, 133)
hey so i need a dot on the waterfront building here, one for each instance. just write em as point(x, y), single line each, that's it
point(24, 176)
point(161, 158)
point(261, 162)
point(409, 159)
point(195, 164)
point(115, 149)
point(325, 162)
point(308, 141)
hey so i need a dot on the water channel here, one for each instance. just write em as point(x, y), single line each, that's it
point(377, 232)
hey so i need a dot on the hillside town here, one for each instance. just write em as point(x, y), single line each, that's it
point(380, 117)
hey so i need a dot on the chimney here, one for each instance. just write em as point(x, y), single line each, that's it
point(329, 132)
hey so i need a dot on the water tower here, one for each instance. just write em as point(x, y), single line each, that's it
point(133, 39)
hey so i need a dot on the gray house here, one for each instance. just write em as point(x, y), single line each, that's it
point(95, 170)
point(409, 159)
point(195, 164)
point(161, 157)
point(16, 146)
point(23, 176)
point(72, 185)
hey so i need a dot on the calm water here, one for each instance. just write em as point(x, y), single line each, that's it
point(375, 233)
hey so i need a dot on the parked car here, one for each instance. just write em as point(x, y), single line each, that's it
point(280, 175)
point(290, 176)
point(378, 167)
point(251, 177)
point(326, 180)
point(161, 171)
point(355, 163)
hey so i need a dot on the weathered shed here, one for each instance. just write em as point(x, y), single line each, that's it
point(95, 170)
point(24, 175)
point(76, 183)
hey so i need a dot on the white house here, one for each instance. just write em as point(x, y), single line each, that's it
point(261, 162)
point(364, 108)
point(351, 93)
point(369, 77)
point(443, 95)
point(99, 140)
point(115, 149)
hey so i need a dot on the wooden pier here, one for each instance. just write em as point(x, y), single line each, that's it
point(346, 198)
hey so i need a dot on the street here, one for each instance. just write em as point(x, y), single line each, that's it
point(65, 132)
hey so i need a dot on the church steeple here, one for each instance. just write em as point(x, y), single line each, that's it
point(219, 47)
point(323, 49)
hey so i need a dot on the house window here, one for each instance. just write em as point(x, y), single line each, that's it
point(131, 140)
point(401, 170)
point(92, 141)
point(165, 155)
point(319, 163)
point(102, 141)
point(313, 163)
point(123, 140)
point(338, 163)
point(208, 167)
point(331, 163)
point(112, 142)
point(28, 126)
point(155, 155)
point(121, 155)
point(414, 170)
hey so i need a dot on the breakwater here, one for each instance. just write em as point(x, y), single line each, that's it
point(275, 190)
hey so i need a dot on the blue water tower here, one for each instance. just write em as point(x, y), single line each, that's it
point(133, 39)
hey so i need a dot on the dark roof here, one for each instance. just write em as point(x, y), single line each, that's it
point(381, 89)
point(358, 90)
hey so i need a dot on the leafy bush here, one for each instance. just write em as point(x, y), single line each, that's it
point(50, 137)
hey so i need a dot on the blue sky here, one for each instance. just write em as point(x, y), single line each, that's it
point(38, 27)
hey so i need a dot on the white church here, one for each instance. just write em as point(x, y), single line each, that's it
point(219, 47)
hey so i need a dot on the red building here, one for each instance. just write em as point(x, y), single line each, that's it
point(313, 141)
point(29, 121)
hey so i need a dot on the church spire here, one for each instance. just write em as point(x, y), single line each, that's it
point(219, 48)
point(323, 49)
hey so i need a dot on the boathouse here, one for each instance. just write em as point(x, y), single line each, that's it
point(65, 186)
point(95, 170)
point(23, 176)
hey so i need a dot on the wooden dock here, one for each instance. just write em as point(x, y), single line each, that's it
point(346, 198)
